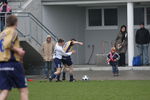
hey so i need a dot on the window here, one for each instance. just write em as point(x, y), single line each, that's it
point(95, 17)
point(99, 18)
point(148, 16)
point(138, 16)
point(110, 17)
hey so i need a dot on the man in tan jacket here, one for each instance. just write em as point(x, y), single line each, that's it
point(47, 53)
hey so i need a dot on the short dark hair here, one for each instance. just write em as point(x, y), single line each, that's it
point(11, 20)
point(60, 40)
point(73, 39)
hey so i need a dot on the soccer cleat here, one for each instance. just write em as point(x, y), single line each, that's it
point(50, 79)
point(72, 80)
point(58, 81)
point(63, 79)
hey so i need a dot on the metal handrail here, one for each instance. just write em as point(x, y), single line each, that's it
point(40, 24)
point(34, 19)
point(21, 33)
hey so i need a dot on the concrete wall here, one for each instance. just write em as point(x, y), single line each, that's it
point(67, 22)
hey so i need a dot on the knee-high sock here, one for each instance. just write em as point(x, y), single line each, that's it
point(58, 77)
point(64, 75)
point(71, 77)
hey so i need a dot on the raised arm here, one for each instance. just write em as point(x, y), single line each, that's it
point(63, 53)
point(118, 56)
point(77, 42)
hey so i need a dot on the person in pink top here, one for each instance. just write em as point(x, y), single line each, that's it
point(5, 8)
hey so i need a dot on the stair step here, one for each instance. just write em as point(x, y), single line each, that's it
point(17, 0)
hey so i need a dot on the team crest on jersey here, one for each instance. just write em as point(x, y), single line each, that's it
point(2, 35)
point(1, 45)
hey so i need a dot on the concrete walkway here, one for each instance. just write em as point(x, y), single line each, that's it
point(107, 75)
point(104, 73)
point(106, 68)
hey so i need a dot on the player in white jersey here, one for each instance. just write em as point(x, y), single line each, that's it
point(58, 53)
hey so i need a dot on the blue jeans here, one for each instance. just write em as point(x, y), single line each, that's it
point(115, 69)
point(143, 52)
point(47, 69)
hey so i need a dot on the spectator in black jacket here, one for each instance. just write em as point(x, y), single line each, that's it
point(142, 40)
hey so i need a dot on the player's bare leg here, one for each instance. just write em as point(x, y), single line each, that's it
point(58, 72)
point(71, 73)
point(4, 94)
point(64, 72)
point(24, 94)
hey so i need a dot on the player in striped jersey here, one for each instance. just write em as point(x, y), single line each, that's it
point(67, 61)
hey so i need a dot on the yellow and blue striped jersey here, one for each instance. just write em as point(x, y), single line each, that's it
point(68, 46)
point(8, 38)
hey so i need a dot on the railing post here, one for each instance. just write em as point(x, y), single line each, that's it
point(30, 30)
point(5, 19)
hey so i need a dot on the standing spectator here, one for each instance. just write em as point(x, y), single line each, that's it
point(121, 45)
point(4, 9)
point(47, 52)
point(142, 40)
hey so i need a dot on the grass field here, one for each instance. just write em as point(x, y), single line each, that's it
point(90, 90)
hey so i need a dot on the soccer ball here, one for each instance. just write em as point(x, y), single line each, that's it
point(85, 78)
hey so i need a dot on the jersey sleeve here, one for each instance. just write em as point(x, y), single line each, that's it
point(118, 56)
point(10, 39)
point(63, 52)
point(108, 56)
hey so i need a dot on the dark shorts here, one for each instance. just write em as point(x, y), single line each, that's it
point(12, 76)
point(66, 60)
point(57, 63)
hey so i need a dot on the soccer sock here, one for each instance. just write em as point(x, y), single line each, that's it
point(58, 77)
point(64, 75)
point(71, 77)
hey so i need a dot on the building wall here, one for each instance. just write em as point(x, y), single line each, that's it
point(67, 22)
point(35, 7)
point(102, 39)
point(70, 21)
